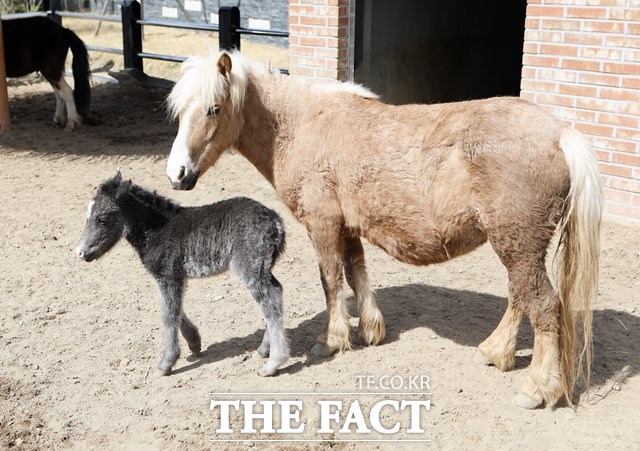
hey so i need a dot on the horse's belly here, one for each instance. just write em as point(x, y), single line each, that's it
point(423, 244)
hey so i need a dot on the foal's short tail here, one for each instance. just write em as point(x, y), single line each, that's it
point(80, 67)
point(580, 240)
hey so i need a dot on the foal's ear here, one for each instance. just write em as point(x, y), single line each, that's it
point(123, 190)
point(118, 176)
point(224, 64)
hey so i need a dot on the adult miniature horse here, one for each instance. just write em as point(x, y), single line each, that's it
point(426, 183)
point(41, 44)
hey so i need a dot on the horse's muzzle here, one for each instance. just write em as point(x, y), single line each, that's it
point(186, 182)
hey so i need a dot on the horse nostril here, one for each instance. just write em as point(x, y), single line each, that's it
point(181, 173)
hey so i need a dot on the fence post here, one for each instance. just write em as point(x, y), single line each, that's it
point(51, 6)
point(228, 24)
point(131, 34)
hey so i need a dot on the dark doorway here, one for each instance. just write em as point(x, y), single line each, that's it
point(431, 51)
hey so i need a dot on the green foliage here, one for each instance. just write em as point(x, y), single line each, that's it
point(19, 6)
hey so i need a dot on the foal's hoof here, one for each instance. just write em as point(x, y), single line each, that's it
point(267, 371)
point(162, 372)
point(322, 350)
point(527, 402)
point(271, 367)
point(195, 349)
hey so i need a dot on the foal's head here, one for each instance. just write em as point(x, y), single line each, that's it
point(105, 220)
point(207, 100)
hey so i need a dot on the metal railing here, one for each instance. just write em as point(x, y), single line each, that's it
point(228, 29)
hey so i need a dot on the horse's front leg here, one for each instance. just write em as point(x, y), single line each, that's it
point(371, 330)
point(329, 247)
point(170, 300)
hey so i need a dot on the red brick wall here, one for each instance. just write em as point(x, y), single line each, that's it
point(318, 38)
point(582, 61)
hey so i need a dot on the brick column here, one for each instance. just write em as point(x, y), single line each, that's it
point(318, 38)
point(582, 62)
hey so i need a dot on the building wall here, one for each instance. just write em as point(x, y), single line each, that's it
point(318, 38)
point(582, 62)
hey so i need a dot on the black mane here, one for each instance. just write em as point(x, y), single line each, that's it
point(153, 200)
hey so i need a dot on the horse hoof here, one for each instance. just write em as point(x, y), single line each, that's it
point(263, 352)
point(322, 350)
point(526, 401)
point(481, 359)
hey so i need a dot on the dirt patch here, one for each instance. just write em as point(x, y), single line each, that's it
point(79, 342)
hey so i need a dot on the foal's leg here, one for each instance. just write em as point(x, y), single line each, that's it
point(265, 347)
point(371, 329)
point(170, 301)
point(190, 333)
point(267, 292)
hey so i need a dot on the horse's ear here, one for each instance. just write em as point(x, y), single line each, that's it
point(118, 176)
point(224, 64)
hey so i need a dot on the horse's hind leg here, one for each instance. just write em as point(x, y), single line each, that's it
point(499, 348)
point(523, 251)
point(58, 116)
point(190, 333)
point(543, 383)
point(63, 91)
point(371, 330)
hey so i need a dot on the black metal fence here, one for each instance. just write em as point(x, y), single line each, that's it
point(229, 30)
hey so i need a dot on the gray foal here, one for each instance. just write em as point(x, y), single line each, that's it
point(176, 243)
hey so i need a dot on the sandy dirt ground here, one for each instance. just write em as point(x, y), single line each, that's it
point(79, 342)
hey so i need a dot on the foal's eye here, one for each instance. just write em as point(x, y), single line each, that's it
point(213, 111)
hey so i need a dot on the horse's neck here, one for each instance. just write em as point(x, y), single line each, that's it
point(270, 117)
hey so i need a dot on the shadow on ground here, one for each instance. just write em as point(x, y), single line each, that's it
point(465, 317)
point(124, 120)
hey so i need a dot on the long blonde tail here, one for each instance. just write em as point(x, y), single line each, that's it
point(578, 272)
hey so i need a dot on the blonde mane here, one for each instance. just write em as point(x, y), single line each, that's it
point(201, 82)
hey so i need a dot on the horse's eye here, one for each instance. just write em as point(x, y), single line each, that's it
point(213, 111)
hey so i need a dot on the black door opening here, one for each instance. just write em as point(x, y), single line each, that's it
point(429, 51)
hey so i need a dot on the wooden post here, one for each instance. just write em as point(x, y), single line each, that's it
point(228, 24)
point(131, 34)
point(5, 119)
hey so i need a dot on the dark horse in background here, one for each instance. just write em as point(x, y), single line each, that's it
point(39, 44)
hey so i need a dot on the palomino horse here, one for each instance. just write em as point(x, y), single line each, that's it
point(426, 183)
point(40, 44)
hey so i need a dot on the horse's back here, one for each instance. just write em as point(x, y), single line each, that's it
point(31, 43)
point(426, 182)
